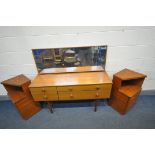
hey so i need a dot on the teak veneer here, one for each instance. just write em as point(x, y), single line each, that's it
point(83, 83)
point(127, 85)
point(72, 69)
point(18, 90)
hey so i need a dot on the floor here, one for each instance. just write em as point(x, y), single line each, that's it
point(80, 115)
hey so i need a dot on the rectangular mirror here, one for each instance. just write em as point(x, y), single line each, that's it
point(70, 57)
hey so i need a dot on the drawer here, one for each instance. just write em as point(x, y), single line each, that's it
point(84, 88)
point(38, 90)
point(45, 97)
point(82, 95)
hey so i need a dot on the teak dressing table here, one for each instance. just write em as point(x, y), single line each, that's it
point(72, 83)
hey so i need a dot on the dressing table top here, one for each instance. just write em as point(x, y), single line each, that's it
point(64, 77)
point(72, 69)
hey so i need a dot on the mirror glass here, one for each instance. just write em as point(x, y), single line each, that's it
point(70, 57)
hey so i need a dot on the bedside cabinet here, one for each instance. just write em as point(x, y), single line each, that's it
point(18, 90)
point(127, 85)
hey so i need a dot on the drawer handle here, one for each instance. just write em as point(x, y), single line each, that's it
point(45, 97)
point(97, 94)
point(97, 88)
point(71, 95)
point(70, 89)
point(43, 89)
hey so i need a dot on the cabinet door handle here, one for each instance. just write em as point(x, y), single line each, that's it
point(97, 88)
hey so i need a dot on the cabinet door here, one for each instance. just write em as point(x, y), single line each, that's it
point(119, 105)
point(27, 107)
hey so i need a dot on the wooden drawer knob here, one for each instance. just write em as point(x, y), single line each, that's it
point(43, 89)
point(97, 88)
point(45, 97)
point(71, 95)
point(97, 94)
point(70, 89)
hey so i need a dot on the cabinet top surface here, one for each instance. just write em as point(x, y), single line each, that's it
point(67, 79)
point(16, 81)
point(72, 69)
point(127, 74)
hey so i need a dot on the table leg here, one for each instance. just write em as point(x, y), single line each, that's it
point(50, 106)
point(108, 102)
point(95, 105)
point(41, 104)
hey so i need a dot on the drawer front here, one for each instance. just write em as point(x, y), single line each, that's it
point(45, 97)
point(82, 95)
point(38, 90)
point(51, 97)
point(84, 88)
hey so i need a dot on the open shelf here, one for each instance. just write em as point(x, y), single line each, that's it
point(136, 82)
point(16, 93)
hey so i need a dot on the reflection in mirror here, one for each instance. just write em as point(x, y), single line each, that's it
point(70, 57)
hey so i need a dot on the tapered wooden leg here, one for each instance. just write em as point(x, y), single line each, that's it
point(41, 105)
point(50, 106)
point(108, 102)
point(95, 105)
